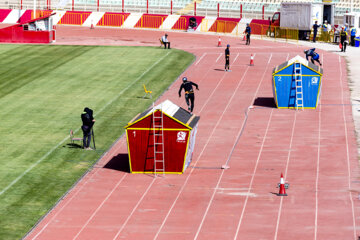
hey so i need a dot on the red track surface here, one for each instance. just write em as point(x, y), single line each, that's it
point(315, 149)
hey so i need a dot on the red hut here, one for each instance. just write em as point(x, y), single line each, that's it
point(39, 30)
point(161, 139)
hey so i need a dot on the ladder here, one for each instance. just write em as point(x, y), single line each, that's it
point(158, 132)
point(298, 87)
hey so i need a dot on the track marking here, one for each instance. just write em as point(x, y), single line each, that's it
point(132, 212)
point(99, 207)
point(192, 169)
point(318, 168)
point(270, 58)
point(347, 149)
point(200, 58)
point(237, 55)
point(61, 142)
point(285, 175)
point(230, 154)
point(70, 199)
point(218, 57)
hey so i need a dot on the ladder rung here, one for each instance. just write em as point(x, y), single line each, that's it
point(158, 143)
point(159, 152)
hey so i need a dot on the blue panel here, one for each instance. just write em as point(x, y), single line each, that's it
point(307, 71)
point(286, 89)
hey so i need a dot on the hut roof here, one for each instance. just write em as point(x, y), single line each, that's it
point(300, 60)
point(171, 110)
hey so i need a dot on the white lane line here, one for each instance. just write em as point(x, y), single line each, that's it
point(253, 176)
point(136, 206)
point(61, 142)
point(70, 199)
point(237, 55)
point(200, 58)
point(318, 169)
point(192, 169)
point(99, 207)
point(218, 57)
point(347, 149)
point(285, 175)
point(223, 171)
point(270, 58)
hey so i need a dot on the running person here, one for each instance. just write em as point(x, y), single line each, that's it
point(189, 93)
point(314, 56)
point(227, 58)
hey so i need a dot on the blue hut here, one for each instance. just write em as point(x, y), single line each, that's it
point(297, 84)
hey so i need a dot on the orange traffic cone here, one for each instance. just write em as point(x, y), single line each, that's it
point(219, 42)
point(244, 38)
point(92, 25)
point(251, 60)
point(282, 186)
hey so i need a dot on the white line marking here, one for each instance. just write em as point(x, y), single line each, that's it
point(200, 58)
point(347, 149)
point(202, 151)
point(285, 174)
point(253, 176)
point(223, 171)
point(99, 207)
point(270, 58)
point(218, 57)
point(237, 55)
point(318, 169)
point(132, 212)
point(70, 199)
point(60, 143)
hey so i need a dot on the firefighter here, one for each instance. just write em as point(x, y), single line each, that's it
point(189, 93)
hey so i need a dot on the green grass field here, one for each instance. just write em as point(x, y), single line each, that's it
point(43, 91)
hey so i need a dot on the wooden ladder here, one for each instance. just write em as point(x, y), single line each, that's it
point(158, 132)
point(298, 87)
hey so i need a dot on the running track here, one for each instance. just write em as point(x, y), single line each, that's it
point(315, 149)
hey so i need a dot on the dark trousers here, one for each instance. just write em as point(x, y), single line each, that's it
point(189, 98)
point(168, 45)
point(314, 38)
point(247, 39)
point(87, 136)
point(227, 63)
point(352, 41)
point(343, 43)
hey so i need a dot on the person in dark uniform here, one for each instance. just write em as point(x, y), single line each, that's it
point(315, 27)
point(227, 58)
point(314, 56)
point(248, 33)
point(189, 93)
point(88, 122)
point(343, 39)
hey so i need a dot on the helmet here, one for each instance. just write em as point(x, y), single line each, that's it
point(184, 79)
point(305, 51)
point(228, 45)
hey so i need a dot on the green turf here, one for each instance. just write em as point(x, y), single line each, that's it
point(43, 91)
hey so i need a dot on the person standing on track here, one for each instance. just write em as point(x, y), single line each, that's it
point(227, 58)
point(88, 122)
point(189, 93)
point(343, 39)
point(248, 33)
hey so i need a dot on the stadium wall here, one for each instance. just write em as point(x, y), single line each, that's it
point(128, 20)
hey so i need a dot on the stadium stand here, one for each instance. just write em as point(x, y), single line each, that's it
point(229, 8)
